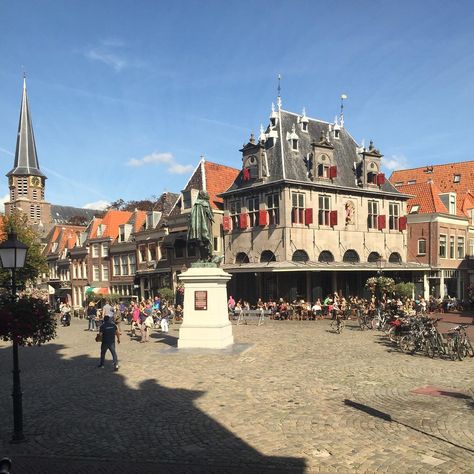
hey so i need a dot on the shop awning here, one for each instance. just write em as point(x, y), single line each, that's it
point(97, 291)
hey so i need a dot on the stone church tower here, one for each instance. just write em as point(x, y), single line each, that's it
point(26, 181)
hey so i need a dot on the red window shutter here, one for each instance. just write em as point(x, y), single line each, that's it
point(246, 174)
point(380, 179)
point(381, 222)
point(226, 223)
point(333, 172)
point(262, 217)
point(333, 218)
point(402, 223)
point(308, 216)
point(243, 220)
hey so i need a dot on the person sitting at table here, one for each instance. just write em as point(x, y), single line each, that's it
point(317, 310)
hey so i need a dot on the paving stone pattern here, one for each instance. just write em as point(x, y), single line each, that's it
point(300, 399)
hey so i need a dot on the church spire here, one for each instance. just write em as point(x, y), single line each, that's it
point(26, 160)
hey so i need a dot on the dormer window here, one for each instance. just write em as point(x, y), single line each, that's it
point(100, 230)
point(457, 178)
point(273, 121)
point(293, 138)
point(411, 181)
point(415, 209)
point(304, 126)
point(337, 133)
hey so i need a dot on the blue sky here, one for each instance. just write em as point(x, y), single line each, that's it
point(126, 95)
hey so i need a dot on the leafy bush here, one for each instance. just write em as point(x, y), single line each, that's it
point(166, 294)
point(404, 289)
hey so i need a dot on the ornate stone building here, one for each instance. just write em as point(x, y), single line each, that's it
point(312, 213)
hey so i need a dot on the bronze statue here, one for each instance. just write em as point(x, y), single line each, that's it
point(200, 226)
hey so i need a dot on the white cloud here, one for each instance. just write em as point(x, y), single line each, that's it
point(3, 200)
point(107, 52)
point(7, 152)
point(98, 205)
point(108, 58)
point(161, 158)
point(395, 162)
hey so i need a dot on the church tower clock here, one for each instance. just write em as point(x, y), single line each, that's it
point(26, 181)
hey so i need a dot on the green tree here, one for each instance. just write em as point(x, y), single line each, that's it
point(35, 263)
point(404, 289)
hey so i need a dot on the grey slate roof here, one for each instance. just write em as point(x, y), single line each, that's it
point(286, 164)
point(63, 214)
point(26, 161)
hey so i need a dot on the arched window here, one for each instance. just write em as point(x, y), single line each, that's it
point(395, 257)
point(267, 256)
point(373, 257)
point(326, 256)
point(351, 256)
point(300, 256)
point(242, 257)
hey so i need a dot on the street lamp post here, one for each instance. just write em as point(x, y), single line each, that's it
point(13, 256)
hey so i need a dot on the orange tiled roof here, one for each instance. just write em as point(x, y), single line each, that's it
point(441, 175)
point(65, 236)
point(112, 220)
point(426, 195)
point(219, 178)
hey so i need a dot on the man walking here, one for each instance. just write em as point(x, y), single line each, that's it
point(109, 332)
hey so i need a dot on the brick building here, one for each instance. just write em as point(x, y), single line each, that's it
point(440, 224)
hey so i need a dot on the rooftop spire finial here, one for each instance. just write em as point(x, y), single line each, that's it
point(343, 98)
point(279, 92)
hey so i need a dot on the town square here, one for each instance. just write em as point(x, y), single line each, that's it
point(280, 403)
point(236, 237)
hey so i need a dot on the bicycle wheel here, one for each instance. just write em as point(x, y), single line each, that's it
point(392, 336)
point(428, 348)
point(408, 344)
point(461, 350)
point(450, 349)
point(469, 348)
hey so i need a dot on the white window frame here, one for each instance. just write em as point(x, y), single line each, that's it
point(324, 209)
point(420, 251)
point(95, 250)
point(443, 238)
point(297, 203)
point(105, 271)
point(393, 215)
point(372, 214)
point(95, 272)
point(461, 240)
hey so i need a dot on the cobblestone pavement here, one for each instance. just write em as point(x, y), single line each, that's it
point(299, 399)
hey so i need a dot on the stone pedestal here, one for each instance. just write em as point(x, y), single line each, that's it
point(205, 319)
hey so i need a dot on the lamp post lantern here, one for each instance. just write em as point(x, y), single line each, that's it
point(13, 256)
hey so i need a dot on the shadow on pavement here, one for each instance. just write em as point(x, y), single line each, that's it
point(165, 338)
point(78, 418)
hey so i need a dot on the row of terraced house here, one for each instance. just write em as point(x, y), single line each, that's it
point(306, 212)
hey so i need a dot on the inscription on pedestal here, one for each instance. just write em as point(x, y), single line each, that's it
point(200, 300)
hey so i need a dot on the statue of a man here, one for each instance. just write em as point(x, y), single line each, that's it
point(200, 226)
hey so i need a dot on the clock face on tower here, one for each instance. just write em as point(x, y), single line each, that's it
point(35, 181)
